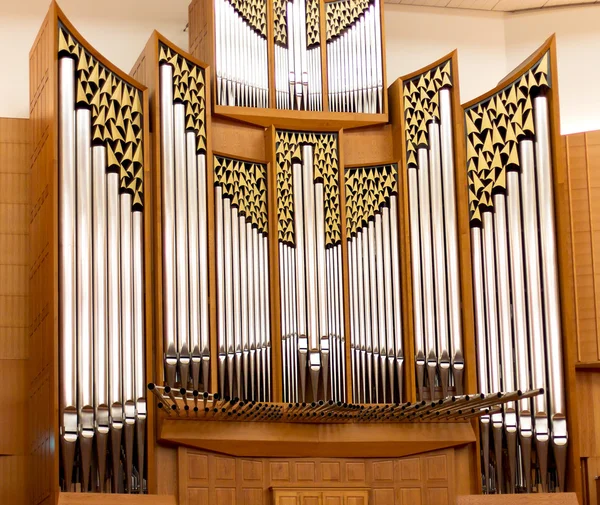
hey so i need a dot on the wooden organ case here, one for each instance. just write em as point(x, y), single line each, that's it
point(308, 297)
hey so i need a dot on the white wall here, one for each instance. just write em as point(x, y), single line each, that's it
point(490, 44)
point(417, 36)
point(113, 27)
point(578, 53)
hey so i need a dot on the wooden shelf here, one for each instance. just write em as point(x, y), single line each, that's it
point(293, 440)
point(300, 119)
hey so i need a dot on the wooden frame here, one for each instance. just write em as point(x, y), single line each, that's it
point(45, 301)
point(202, 45)
point(562, 214)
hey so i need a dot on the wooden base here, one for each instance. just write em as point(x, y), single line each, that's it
point(112, 499)
point(300, 119)
point(519, 499)
point(315, 440)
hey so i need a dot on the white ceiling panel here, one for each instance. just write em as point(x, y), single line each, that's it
point(493, 5)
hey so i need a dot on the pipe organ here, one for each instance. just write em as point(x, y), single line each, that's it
point(241, 53)
point(183, 169)
point(510, 167)
point(374, 277)
point(101, 272)
point(297, 54)
point(362, 272)
point(310, 264)
point(354, 56)
point(429, 137)
point(242, 258)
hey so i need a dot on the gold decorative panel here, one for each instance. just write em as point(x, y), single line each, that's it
point(280, 21)
point(421, 106)
point(494, 128)
point(254, 13)
point(341, 14)
point(116, 115)
point(313, 26)
point(367, 190)
point(288, 150)
point(189, 88)
point(245, 183)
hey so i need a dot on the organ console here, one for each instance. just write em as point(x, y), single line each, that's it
point(349, 255)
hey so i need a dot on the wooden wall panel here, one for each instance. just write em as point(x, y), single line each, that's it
point(41, 219)
point(14, 307)
point(583, 167)
point(212, 478)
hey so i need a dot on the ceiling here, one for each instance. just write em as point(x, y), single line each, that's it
point(493, 5)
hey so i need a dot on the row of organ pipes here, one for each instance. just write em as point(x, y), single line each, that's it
point(433, 238)
point(374, 277)
point(241, 55)
point(354, 57)
point(242, 261)
point(311, 287)
point(185, 247)
point(101, 289)
point(516, 291)
point(298, 81)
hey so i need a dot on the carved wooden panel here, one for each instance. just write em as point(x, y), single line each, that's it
point(217, 479)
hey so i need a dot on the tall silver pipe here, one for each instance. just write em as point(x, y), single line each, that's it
point(283, 272)
point(221, 288)
point(394, 238)
point(244, 304)
point(381, 306)
point(127, 330)
point(367, 312)
point(229, 305)
point(341, 326)
point(322, 273)
point(519, 315)
point(237, 299)
point(195, 309)
point(361, 307)
point(481, 339)
point(387, 266)
point(330, 319)
point(506, 337)
point(181, 242)
point(550, 267)
point(439, 250)
point(203, 263)
point(415, 246)
point(85, 361)
point(374, 312)
point(379, 56)
point(218, 50)
point(266, 312)
point(67, 266)
point(534, 303)
point(168, 222)
point(250, 235)
point(139, 364)
point(257, 308)
point(492, 332)
point(294, 323)
point(114, 320)
point(427, 264)
point(453, 272)
point(100, 315)
point(357, 392)
point(311, 267)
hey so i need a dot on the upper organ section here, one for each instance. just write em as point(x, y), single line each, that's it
point(494, 128)
point(189, 88)
point(116, 108)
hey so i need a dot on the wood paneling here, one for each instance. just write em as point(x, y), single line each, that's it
point(14, 306)
point(109, 499)
point(206, 478)
point(519, 499)
point(583, 168)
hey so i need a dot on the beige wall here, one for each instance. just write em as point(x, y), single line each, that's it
point(416, 36)
point(578, 49)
